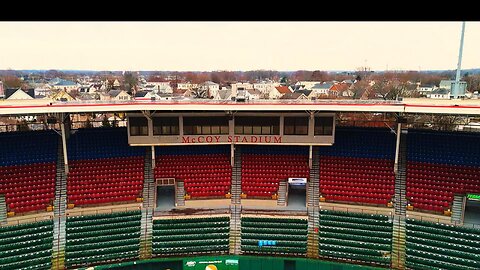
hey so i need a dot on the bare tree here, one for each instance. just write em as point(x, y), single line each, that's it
point(200, 92)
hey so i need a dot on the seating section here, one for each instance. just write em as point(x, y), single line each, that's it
point(439, 165)
point(355, 237)
point(206, 170)
point(102, 238)
point(105, 180)
point(289, 234)
point(264, 166)
point(362, 180)
point(28, 169)
point(359, 166)
point(26, 246)
point(191, 236)
point(441, 246)
point(103, 167)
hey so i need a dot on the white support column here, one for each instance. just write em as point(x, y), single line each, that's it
point(397, 147)
point(232, 155)
point(64, 145)
point(153, 157)
point(231, 132)
point(310, 156)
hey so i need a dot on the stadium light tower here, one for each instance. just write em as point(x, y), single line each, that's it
point(456, 88)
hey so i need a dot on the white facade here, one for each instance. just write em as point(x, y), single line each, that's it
point(159, 87)
point(439, 94)
point(19, 94)
point(265, 87)
point(253, 94)
point(211, 87)
point(426, 88)
point(187, 86)
point(149, 96)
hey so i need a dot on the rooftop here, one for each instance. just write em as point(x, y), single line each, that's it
point(413, 105)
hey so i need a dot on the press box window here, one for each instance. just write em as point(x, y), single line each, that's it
point(165, 126)
point(257, 125)
point(205, 125)
point(295, 126)
point(138, 126)
point(324, 125)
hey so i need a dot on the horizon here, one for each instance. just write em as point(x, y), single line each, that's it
point(236, 46)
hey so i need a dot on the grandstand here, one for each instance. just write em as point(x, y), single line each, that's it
point(241, 186)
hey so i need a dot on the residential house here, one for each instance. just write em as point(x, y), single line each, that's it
point(186, 86)
point(278, 91)
point(62, 95)
point(43, 90)
point(252, 94)
point(61, 84)
point(119, 95)
point(158, 85)
point(146, 95)
point(426, 89)
point(295, 95)
point(18, 93)
point(340, 89)
point(306, 93)
point(306, 84)
point(321, 90)
point(265, 87)
point(440, 93)
point(88, 96)
point(2, 90)
point(224, 94)
point(210, 87)
point(116, 84)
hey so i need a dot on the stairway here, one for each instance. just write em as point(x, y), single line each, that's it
point(282, 193)
point(400, 200)
point(398, 242)
point(3, 210)
point(400, 205)
point(235, 229)
point(312, 237)
point(313, 191)
point(179, 193)
point(236, 190)
point(146, 222)
point(59, 211)
point(458, 209)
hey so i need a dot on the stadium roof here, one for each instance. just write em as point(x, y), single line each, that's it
point(419, 105)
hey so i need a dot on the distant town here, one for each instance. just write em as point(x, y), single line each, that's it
point(227, 85)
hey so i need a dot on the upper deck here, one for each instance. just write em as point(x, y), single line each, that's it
point(411, 105)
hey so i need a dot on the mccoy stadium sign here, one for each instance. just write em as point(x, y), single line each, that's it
point(232, 139)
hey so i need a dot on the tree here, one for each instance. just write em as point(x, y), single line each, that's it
point(12, 81)
point(200, 92)
point(105, 122)
point(88, 123)
point(23, 126)
point(130, 81)
point(321, 76)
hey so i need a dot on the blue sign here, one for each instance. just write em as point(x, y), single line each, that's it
point(262, 243)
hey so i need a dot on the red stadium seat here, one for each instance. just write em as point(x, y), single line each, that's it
point(362, 180)
point(105, 180)
point(262, 173)
point(207, 175)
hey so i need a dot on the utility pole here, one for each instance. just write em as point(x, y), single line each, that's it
point(456, 88)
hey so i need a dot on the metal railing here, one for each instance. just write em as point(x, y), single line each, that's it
point(357, 210)
point(103, 211)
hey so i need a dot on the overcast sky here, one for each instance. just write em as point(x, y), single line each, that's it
point(207, 46)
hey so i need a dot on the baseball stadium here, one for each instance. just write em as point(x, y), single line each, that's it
point(257, 185)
